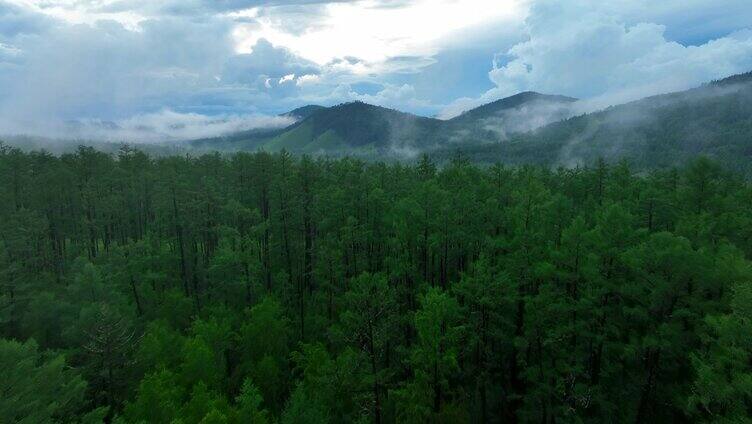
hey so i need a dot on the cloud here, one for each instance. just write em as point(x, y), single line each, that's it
point(265, 61)
point(401, 97)
point(175, 8)
point(107, 71)
point(112, 60)
point(586, 50)
point(393, 96)
point(15, 20)
point(463, 104)
point(8, 53)
point(689, 22)
point(163, 126)
point(307, 79)
point(168, 125)
point(287, 78)
point(385, 35)
point(233, 5)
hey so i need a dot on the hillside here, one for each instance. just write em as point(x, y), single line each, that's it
point(501, 119)
point(250, 140)
point(362, 129)
point(355, 128)
point(499, 107)
point(303, 112)
point(713, 120)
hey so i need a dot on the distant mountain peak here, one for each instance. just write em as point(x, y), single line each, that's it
point(734, 79)
point(528, 126)
point(361, 105)
point(356, 104)
point(511, 102)
point(303, 112)
point(529, 96)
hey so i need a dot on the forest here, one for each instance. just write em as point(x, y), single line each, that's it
point(272, 288)
point(663, 131)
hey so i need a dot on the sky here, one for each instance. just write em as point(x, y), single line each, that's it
point(150, 70)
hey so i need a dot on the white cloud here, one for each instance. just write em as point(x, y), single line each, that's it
point(586, 50)
point(393, 96)
point(266, 61)
point(375, 31)
point(107, 71)
point(9, 51)
point(83, 11)
point(162, 126)
point(307, 79)
point(108, 60)
point(287, 78)
point(463, 104)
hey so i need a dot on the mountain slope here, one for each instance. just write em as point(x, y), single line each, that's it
point(241, 141)
point(714, 119)
point(358, 128)
point(303, 112)
point(253, 139)
point(498, 107)
point(503, 118)
point(353, 128)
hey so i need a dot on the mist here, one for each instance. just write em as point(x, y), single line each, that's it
point(617, 131)
point(158, 127)
point(528, 117)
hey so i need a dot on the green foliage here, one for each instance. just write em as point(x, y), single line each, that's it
point(36, 387)
point(250, 405)
point(264, 349)
point(268, 288)
point(158, 400)
point(301, 409)
point(200, 364)
point(160, 347)
point(722, 391)
point(429, 394)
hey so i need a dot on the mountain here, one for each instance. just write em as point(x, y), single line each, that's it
point(499, 120)
point(714, 119)
point(255, 138)
point(734, 79)
point(496, 109)
point(355, 128)
point(248, 140)
point(359, 128)
point(303, 112)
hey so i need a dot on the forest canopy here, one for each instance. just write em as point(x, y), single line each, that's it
point(260, 288)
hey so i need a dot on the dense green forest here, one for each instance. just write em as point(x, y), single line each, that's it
point(713, 120)
point(260, 288)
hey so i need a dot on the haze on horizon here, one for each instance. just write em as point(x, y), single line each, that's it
point(140, 70)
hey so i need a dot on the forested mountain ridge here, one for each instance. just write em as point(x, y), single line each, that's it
point(303, 111)
point(714, 119)
point(268, 288)
point(493, 109)
point(353, 128)
point(734, 79)
point(365, 130)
